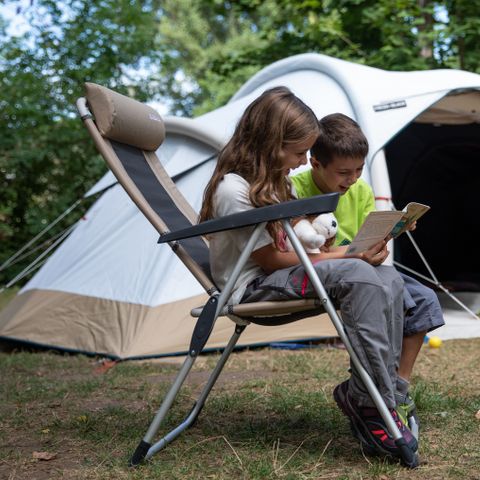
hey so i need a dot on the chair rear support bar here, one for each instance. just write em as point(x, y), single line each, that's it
point(409, 457)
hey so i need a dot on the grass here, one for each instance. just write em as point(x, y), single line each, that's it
point(270, 416)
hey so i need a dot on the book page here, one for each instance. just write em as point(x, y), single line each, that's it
point(375, 228)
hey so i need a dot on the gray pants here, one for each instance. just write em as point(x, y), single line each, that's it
point(370, 300)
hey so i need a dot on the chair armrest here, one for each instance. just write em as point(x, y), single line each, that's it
point(294, 208)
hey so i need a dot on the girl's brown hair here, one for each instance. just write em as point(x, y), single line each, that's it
point(274, 120)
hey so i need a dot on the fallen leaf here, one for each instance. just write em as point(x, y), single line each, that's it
point(46, 430)
point(105, 366)
point(44, 455)
point(477, 415)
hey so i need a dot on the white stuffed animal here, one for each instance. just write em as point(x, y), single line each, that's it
point(314, 233)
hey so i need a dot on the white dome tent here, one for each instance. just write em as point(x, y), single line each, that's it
point(98, 294)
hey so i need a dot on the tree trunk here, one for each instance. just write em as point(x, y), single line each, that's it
point(426, 47)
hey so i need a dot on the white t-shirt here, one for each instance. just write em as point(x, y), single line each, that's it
point(225, 247)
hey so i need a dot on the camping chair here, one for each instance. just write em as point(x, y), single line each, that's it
point(127, 133)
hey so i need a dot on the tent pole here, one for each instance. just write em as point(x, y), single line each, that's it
point(440, 286)
point(435, 279)
point(422, 257)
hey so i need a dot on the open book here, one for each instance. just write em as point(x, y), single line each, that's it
point(381, 225)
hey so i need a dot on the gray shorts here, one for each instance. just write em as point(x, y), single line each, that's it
point(423, 310)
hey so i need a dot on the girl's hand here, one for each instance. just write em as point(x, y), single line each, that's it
point(377, 254)
point(327, 247)
point(412, 226)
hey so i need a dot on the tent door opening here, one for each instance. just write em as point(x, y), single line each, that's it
point(439, 165)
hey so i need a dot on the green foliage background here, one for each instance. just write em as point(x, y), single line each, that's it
point(190, 54)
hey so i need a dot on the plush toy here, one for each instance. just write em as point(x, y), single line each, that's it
point(316, 232)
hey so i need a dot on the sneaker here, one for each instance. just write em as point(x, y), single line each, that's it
point(369, 427)
point(407, 411)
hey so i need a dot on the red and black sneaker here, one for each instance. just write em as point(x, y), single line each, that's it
point(369, 427)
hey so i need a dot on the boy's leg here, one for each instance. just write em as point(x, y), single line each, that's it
point(410, 347)
point(406, 407)
point(424, 314)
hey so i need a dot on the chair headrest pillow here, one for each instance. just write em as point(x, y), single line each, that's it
point(123, 119)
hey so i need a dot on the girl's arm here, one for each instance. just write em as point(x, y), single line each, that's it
point(270, 258)
point(375, 256)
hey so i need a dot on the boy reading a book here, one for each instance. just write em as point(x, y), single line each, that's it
point(337, 160)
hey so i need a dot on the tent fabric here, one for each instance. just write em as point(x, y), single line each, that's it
point(462, 108)
point(382, 102)
point(189, 142)
point(81, 323)
point(128, 289)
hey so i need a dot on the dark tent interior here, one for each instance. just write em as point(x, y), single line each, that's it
point(439, 165)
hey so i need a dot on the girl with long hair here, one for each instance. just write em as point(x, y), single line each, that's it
point(273, 136)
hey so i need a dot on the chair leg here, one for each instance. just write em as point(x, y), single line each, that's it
point(409, 457)
point(145, 449)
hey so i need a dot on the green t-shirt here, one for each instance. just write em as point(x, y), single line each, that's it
point(352, 209)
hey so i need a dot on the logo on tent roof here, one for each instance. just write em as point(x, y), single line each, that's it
point(390, 105)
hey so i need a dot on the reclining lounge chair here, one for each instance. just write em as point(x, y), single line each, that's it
point(127, 134)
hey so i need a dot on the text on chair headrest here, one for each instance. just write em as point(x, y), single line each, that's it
point(123, 119)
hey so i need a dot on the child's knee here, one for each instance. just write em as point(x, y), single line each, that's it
point(426, 300)
point(431, 297)
point(359, 271)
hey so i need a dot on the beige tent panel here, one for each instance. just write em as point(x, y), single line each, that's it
point(458, 109)
point(88, 324)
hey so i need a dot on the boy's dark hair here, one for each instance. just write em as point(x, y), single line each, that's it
point(339, 136)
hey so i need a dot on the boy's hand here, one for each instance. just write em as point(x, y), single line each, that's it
point(377, 254)
point(412, 226)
